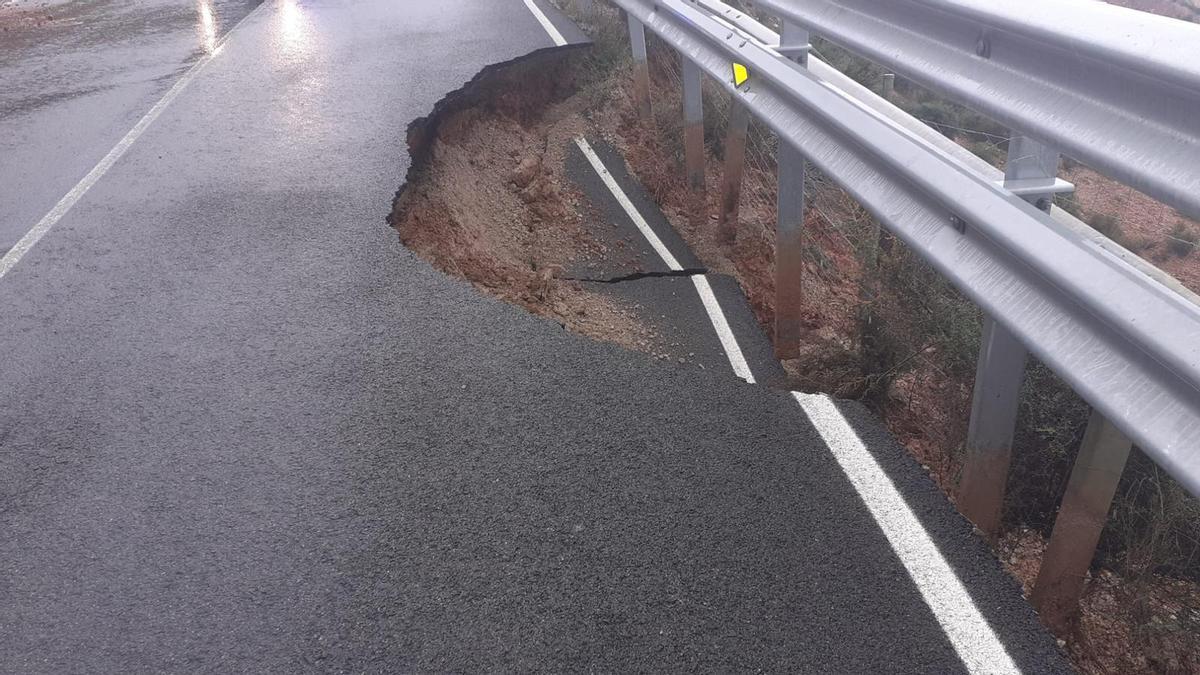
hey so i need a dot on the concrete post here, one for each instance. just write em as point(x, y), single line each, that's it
point(1001, 366)
point(731, 177)
point(887, 85)
point(998, 377)
point(693, 124)
point(1082, 516)
point(789, 230)
point(641, 69)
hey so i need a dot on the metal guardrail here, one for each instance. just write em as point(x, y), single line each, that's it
point(1125, 340)
point(1115, 88)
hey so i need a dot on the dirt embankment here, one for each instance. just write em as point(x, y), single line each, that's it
point(1125, 626)
point(486, 197)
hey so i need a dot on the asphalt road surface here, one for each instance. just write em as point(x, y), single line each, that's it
point(242, 429)
point(77, 76)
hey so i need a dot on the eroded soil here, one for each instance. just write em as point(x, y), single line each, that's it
point(487, 199)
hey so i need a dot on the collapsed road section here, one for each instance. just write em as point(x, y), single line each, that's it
point(519, 185)
point(500, 194)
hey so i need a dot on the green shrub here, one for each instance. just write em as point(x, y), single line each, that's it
point(716, 117)
point(609, 52)
point(1183, 240)
point(1154, 526)
point(920, 312)
point(1107, 225)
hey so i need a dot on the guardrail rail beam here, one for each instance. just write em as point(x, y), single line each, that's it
point(1113, 87)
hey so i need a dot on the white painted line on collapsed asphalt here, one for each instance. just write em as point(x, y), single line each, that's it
point(737, 360)
point(729, 343)
point(64, 205)
point(538, 14)
point(630, 210)
point(973, 639)
point(969, 633)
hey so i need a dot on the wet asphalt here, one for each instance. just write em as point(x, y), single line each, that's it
point(76, 76)
point(243, 429)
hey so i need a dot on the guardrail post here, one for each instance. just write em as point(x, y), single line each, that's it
point(641, 68)
point(1032, 172)
point(1029, 172)
point(1082, 516)
point(693, 133)
point(735, 162)
point(887, 85)
point(998, 377)
point(789, 230)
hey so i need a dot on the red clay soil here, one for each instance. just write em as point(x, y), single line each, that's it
point(1147, 625)
point(486, 199)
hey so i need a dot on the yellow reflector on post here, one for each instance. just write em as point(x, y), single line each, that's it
point(740, 74)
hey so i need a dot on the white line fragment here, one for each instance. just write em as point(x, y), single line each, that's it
point(31, 238)
point(968, 631)
point(729, 343)
point(538, 14)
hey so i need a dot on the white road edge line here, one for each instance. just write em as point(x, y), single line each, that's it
point(965, 627)
point(968, 631)
point(538, 14)
point(733, 351)
point(31, 238)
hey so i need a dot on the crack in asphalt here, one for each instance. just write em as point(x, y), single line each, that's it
point(686, 272)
